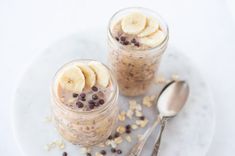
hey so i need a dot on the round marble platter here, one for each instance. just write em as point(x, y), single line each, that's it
point(190, 133)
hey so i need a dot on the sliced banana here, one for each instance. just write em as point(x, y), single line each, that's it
point(90, 76)
point(72, 79)
point(154, 39)
point(102, 73)
point(133, 23)
point(152, 26)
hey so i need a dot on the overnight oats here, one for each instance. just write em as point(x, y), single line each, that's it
point(137, 38)
point(84, 102)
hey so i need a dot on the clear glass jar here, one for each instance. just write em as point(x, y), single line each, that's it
point(85, 128)
point(134, 69)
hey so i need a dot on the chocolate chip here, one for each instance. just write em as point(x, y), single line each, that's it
point(126, 42)
point(94, 97)
point(116, 134)
point(91, 106)
point(88, 154)
point(137, 44)
point(128, 131)
point(142, 118)
point(79, 104)
point(113, 150)
point(117, 38)
point(97, 104)
point(94, 88)
point(91, 102)
point(122, 38)
point(110, 137)
point(101, 101)
point(82, 95)
point(75, 95)
point(119, 151)
point(133, 40)
point(83, 99)
point(65, 154)
point(103, 152)
point(128, 126)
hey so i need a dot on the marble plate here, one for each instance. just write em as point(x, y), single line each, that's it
point(189, 134)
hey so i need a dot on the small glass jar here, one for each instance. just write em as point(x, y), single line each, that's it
point(134, 69)
point(85, 128)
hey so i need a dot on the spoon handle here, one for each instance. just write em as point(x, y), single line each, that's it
point(138, 147)
point(158, 141)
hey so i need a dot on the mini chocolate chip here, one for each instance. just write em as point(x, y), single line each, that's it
point(65, 154)
point(97, 104)
point(137, 44)
point(119, 151)
point(128, 126)
point(91, 102)
point(79, 104)
point(133, 40)
point(75, 95)
point(103, 152)
point(110, 137)
point(94, 88)
point(142, 118)
point(128, 131)
point(126, 42)
point(83, 99)
point(116, 134)
point(101, 101)
point(82, 95)
point(117, 38)
point(88, 154)
point(113, 150)
point(122, 38)
point(91, 106)
point(94, 97)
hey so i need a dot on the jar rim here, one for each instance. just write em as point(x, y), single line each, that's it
point(159, 46)
point(98, 110)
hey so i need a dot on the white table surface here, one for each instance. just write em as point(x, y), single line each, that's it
point(203, 29)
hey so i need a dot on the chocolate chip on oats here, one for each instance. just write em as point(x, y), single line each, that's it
point(91, 102)
point(133, 40)
point(110, 137)
point(113, 150)
point(119, 151)
point(103, 152)
point(94, 97)
point(128, 126)
point(122, 38)
point(75, 95)
point(94, 88)
point(82, 95)
point(79, 104)
point(65, 154)
point(137, 44)
point(117, 38)
point(126, 42)
point(128, 131)
point(83, 99)
point(101, 101)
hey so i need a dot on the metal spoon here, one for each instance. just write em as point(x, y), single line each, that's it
point(170, 101)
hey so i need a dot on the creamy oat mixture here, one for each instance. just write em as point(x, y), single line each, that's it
point(131, 51)
point(84, 107)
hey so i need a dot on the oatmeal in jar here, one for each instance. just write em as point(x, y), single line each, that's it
point(137, 38)
point(84, 102)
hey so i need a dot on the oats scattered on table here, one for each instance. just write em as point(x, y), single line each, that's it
point(149, 100)
point(128, 138)
point(118, 140)
point(121, 129)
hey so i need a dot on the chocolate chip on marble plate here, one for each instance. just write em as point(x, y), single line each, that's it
point(119, 151)
point(113, 150)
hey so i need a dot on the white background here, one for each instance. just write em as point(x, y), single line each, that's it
point(204, 30)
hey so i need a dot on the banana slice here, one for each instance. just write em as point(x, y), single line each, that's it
point(133, 23)
point(152, 26)
point(88, 73)
point(154, 39)
point(72, 79)
point(102, 73)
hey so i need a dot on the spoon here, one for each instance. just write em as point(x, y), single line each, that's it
point(169, 103)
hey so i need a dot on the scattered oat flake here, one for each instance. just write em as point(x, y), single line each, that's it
point(134, 126)
point(132, 104)
point(121, 129)
point(118, 140)
point(101, 145)
point(128, 138)
point(113, 144)
point(148, 100)
point(138, 114)
point(98, 154)
point(138, 107)
point(129, 114)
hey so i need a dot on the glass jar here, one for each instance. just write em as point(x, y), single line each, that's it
point(134, 69)
point(85, 128)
